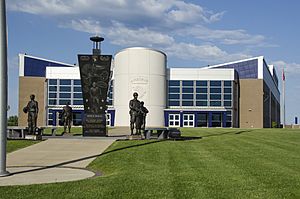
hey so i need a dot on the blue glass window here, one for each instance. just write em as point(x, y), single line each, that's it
point(215, 103)
point(187, 96)
point(174, 103)
point(174, 83)
point(65, 82)
point(65, 88)
point(227, 83)
point(174, 96)
point(77, 102)
point(174, 90)
point(52, 82)
point(215, 83)
point(187, 103)
point(52, 101)
point(77, 95)
point(64, 102)
point(227, 97)
point(201, 103)
point(52, 88)
point(52, 95)
point(227, 90)
point(188, 83)
point(201, 83)
point(201, 96)
point(201, 90)
point(77, 89)
point(215, 90)
point(215, 96)
point(64, 95)
point(77, 82)
point(227, 103)
point(187, 90)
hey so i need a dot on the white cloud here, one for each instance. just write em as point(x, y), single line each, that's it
point(229, 37)
point(208, 53)
point(153, 23)
point(292, 68)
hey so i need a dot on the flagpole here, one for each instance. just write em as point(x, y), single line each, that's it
point(283, 96)
point(3, 88)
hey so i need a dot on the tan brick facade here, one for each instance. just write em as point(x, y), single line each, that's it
point(28, 86)
point(251, 103)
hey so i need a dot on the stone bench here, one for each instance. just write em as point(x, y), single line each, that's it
point(163, 133)
point(19, 132)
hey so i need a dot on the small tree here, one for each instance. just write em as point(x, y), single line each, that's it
point(12, 121)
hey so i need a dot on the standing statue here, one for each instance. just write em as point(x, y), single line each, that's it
point(32, 110)
point(143, 114)
point(95, 93)
point(134, 106)
point(67, 117)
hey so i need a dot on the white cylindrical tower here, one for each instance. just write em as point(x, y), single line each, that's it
point(140, 70)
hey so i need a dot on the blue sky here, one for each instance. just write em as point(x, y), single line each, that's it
point(192, 33)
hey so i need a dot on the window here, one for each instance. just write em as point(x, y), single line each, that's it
point(201, 96)
point(77, 89)
point(53, 88)
point(65, 88)
point(201, 90)
point(202, 120)
point(187, 103)
point(174, 96)
point(215, 96)
point(201, 83)
point(215, 90)
point(174, 83)
point(201, 103)
point(64, 102)
point(52, 82)
point(187, 90)
point(77, 95)
point(215, 103)
point(216, 120)
point(188, 83)
point(77, 102)
point(227, 90)
point(174, 120)
point(174, 103)
point(64, 95)
point(77, 82)
point(65, 82)
point(215, 83)
point(52, 101)
point(52, 95)
point(174, 90)
point(187, 96)
point(188, 120)
point(227, 83)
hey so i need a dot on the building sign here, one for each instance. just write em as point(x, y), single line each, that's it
point(95, 77)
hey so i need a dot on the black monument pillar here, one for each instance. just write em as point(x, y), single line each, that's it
point(95, 77)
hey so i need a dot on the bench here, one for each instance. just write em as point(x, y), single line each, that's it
point(162, 133)
point(19, 132)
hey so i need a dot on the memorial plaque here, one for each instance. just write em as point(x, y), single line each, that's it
point(95, 77)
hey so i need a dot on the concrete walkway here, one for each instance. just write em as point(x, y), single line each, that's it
point(54, 160)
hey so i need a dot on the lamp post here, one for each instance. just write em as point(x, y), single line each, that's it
point(3, 89)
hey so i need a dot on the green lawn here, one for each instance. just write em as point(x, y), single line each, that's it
point(13, 145)
point(224, 163)
point(60, 130)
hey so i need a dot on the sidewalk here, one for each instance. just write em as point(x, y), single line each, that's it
point(54, 160)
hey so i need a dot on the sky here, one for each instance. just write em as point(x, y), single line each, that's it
point(192, 34)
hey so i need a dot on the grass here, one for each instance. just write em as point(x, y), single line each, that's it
point(60, 130)
point(13, 145)
point(224, 163)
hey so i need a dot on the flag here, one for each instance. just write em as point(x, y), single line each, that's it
point(283, 76)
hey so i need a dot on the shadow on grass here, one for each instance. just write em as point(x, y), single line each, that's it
point(82, 159)
point(183, 138)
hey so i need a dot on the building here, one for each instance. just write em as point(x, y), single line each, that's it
point(242, 94)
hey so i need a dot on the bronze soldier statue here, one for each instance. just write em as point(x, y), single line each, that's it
point(32, 110)
point(134, 106)
point(143, 114)
point(67, 117)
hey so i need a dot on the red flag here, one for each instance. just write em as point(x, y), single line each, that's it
point(283, 76)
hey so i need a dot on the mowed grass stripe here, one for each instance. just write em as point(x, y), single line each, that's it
point(225, 163)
